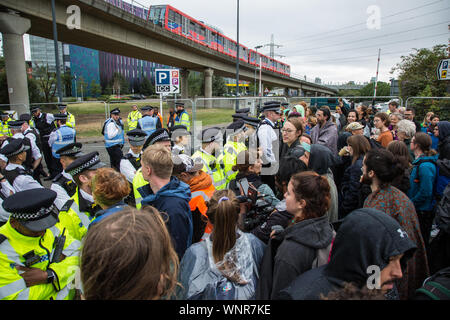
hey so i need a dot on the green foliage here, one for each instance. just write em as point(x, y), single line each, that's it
point(383, 89)
point(418, 70)
point(218, 86)
point(195, 84)
point(146, 88)
point(95, 89)
point(46, 82)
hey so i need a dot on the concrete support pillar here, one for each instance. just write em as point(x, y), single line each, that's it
point(208, 87)
point(184, 74)
point(12, 28)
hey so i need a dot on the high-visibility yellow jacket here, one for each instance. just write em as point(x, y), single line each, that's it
point(70, 120)
point(212, 167)
point(229, 158)
point(183, 120)
point(133, 118)
point(138, 182)
point(12, 251)
point(76, 216)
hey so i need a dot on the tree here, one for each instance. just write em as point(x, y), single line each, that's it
point(119, 84)
point(67, 83)
point(383, 89)
point(95, 89)
point(46, 82)
point(82, 87)
point(418, 70)
point(218, 86)
point(146, 88)
point(195, 84)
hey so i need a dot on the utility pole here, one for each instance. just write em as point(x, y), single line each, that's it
point(256, 48)
point(272, 46)
point(376, 79)
point(237, 59)
point(55, 41)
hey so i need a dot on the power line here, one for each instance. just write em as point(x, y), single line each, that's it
point(364, 23)
point(391, 23)
point(376, 37)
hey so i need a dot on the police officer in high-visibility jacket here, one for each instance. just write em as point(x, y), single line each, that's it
point(148, 123)
point(182, 117)
point(61, 137)
point(80, 210)
point(235, 144)
point(159, 137)
point(70, 122)
point(211, 139)
point(38, 257)
point(4, 124)
point(133, 117)
point(114, 138)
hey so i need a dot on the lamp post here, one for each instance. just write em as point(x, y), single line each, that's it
point(55, 41)
point(237, 59)
point(256, 59)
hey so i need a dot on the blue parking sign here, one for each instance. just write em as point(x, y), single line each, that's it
point(162, 77)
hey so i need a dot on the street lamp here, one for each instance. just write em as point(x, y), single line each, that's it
point(256, 48)
point(237, 58)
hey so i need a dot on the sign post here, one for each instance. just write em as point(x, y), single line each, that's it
point(443, 69)
point(167, 81)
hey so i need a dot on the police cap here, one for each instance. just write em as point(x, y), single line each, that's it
point(71, 150)
point(25, 117)
point(254, 122)
point(210, 135)
point(60, 116)
point(14, 147)
point(16, 124)
point(146, 108)
point(89, 161)
point(271, 106)
point(33, 208)
point(62, 106)
point(136, 137)
point(158, 135)
point(115, 111)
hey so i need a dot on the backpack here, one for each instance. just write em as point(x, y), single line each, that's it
point(437, 287)
point(440, 181)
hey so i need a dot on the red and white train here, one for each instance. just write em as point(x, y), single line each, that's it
point(180, 23)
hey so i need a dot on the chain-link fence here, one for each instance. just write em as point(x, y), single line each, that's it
point(423, 105)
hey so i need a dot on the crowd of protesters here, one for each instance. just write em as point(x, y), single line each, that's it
point(297, 202)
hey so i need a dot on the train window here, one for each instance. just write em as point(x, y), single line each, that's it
point(185, 26)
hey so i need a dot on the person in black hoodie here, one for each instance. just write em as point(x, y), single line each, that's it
point(307, 199)
point(370, 249)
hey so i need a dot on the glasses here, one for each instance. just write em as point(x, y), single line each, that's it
point(287, 130)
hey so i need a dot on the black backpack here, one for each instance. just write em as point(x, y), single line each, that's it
point(437, 287)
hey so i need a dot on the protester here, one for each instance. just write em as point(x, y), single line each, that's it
point(426, 121)
point(351, 292)
point(431, 130)
point(422, 180)
point(406, 130)
point(307, 199)
point(129, 256)
point(394, 118)
point(342, 118)
point(202, 190)
point(167, 194)
point(325, 132)
point(349, 195)
point(381, 122)
point(109, 189)
point(379, 170)
point(402, 157)
point(370, 249)
point(291, 132)
point(443, 132)
point(410, 114)
point(352, 116)
point(249, 168)
point(225, 265)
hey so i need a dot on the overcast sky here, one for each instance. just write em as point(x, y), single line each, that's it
point(329, 39)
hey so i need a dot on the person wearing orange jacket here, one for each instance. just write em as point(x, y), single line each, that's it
point(202, 189)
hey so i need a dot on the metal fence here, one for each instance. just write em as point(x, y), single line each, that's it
point(424, 105)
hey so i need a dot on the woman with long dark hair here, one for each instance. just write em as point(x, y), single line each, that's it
point(225, 265)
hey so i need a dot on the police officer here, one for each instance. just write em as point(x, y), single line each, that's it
point(38, 257)
point(148, 123)
point(33, 135)
point(34, 156)
point(182, 117)
point(161, 137)
point(61, 137)
point(80, 210)
point(235, 144)
point(70, 122)
point(63, 184)
point(211, 139)
point(268, 139)
point(43, 122)
point(133, 117)
point(114, 138)
point(131, 162)
point(181, 139)
point(251, 123)
point(19, 177)
point(4, 124)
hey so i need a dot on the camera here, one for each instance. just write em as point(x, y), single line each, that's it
point(258, 214)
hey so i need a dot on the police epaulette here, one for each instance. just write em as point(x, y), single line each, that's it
point(57, 177)
point(2, 238)
point(67, 205)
